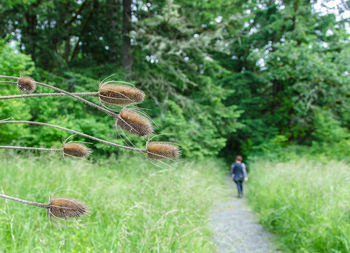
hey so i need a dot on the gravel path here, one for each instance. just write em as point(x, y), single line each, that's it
point(236, 228)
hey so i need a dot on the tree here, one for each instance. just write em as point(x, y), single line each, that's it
point(60, 33)
point(127, 53)
point(176, 67)
point(287, 62)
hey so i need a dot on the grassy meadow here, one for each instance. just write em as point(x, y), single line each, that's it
point(134, 206)
point(306, 203)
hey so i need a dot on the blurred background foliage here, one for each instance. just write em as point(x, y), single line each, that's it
point(221, 77)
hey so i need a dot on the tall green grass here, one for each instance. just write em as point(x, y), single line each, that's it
point(134, 206)
point(306, 203)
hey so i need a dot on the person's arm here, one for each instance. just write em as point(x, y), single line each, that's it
point(231, 171)
point(245, 172)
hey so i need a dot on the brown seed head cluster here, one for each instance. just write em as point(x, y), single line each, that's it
point(134, 123)
point(26, 84)
point(118, 94)
point(76, 149)
point(65, 208)
point(162, 150)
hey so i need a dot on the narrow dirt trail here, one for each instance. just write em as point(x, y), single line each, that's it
point(236, 227)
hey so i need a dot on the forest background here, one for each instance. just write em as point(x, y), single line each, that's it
point(221, 77)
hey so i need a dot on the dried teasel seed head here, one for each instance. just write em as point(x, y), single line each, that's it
point(162, 150)
point(26, 84)
point(76, 149)
point(118, 94)
point(134, 123)
point(65, 208)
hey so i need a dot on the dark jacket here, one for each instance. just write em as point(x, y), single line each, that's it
point(238, 171)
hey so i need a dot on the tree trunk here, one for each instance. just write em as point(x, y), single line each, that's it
point(30, 34)
point(114, 45)
point(67, 49)
point(83, 30)
point(127, 56)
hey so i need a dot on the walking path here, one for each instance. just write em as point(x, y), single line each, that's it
point(236, 228)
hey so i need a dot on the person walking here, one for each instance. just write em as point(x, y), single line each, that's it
point(239, 174)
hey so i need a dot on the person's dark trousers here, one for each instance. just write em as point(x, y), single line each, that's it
point(239, 184)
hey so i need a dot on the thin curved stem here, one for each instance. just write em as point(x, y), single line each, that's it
point(25, 201)
point(10, 77)
point(72, 95)
point(72, 131)
point(84, 94)
point(8, 82)
point(116, 115)
point(32, 148)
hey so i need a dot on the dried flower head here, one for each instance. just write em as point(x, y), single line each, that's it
point(162, 150)
point(26, 84)
point(118, 94)
point(76, 149)
point(65, 208)
point(134, 123)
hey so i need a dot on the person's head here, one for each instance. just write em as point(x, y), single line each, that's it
point(238, 158)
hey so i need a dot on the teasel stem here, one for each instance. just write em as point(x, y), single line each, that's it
point(9, 82)
point(58, 208)
point(69, 94)
point(72, 131)
point(25, 201)
point(9, 77)
point(32, 148)
point(83, 94)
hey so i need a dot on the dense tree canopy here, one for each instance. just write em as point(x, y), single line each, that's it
point(222, 76)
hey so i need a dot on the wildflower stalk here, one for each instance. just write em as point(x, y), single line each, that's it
point(71, 131)
point(58, 208)
point(24, 201)
point(134, 124)
point(70, 94)
point(81, 94)
point(32, 148)
point(8, 82)
point(70, 149)
point(10, 77)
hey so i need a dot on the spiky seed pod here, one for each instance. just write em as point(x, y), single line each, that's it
point(134, 123)
point(26, 84)
point(65, 208)
point(162, 150)
point(118, 94)
point(76, 149)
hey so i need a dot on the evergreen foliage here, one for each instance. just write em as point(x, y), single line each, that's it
point(223, 76)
